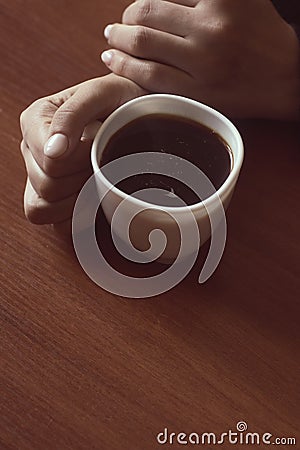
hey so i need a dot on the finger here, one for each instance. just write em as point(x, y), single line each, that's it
point(152, 76)
point(35, 123)
point(150, 44)
point(58, 168)
point(94, 100)
point(69, 121)
point(40, 212)
point(164, 16)
point(53, 126)
point(90, 131)
point(36, 119)
point(49, 188)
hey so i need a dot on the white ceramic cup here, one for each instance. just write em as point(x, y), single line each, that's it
point(144, 217)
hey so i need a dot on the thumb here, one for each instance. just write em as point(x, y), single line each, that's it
point(91, 100)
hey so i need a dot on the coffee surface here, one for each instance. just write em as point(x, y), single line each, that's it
point(170, 135)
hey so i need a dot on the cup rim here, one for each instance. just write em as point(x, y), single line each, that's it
point(206, 203)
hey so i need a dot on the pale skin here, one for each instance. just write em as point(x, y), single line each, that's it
point(54, 179)
point(239, 56)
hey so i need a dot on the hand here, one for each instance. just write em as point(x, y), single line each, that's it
point(239, 56)
point(57, 140)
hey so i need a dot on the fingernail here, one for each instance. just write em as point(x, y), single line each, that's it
point(107, 30)
point(106, 57)
point(90, 131)
point(56, 145)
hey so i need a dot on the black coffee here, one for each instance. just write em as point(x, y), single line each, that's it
point(171, 135)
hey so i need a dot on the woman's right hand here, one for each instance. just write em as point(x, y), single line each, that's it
point(57, 134)
point(238, 56)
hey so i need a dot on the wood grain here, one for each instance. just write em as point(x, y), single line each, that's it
point(84, 369)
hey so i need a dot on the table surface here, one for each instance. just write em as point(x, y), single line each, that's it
point(85, 369)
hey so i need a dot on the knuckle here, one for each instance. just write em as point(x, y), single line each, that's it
point(219, 31)
point(65, 114)
point(25, 119)
point(143, 11)
point(121, 65)
point(35, 108)
point(139, 39)
point(28, 115)
point(126, 14)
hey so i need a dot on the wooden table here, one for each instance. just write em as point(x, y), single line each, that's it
point(84, 369)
